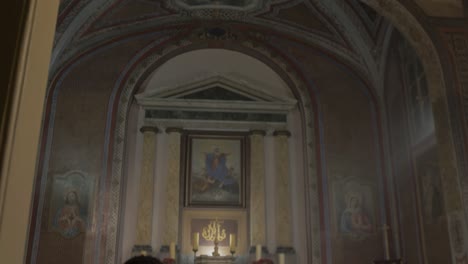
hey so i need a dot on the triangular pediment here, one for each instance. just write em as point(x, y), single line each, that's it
point(216, 98)
point(216, 93)
point(214, 88)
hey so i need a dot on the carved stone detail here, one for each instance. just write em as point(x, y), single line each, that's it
point(285, 133)
point(174, 130)
point(149, 129)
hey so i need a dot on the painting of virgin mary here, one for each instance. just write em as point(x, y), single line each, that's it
point(354, 207)
point(354, 219)
point(215, 170)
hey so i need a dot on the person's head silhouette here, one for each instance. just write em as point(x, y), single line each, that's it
point(143, 260)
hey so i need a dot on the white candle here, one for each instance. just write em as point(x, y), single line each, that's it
point(232, 242)
point(258, 252)
point(386, 245)
point(172, 250)
point(195, 241)
point(281, 258)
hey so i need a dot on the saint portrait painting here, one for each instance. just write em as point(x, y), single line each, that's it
point(355, 213)
point(69, 219)
point(355, 219)
point(69, 202)
point(215, 170)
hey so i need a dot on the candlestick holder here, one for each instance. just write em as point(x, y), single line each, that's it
point(215, 252)
point(233, 251)
point(195, 253)
point(214, 232)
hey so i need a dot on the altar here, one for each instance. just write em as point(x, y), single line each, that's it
point(205, 259)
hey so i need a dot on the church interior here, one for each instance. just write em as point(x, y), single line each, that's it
point(239, 131)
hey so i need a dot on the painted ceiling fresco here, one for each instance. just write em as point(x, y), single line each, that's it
point(350, 30)
point(229, 3)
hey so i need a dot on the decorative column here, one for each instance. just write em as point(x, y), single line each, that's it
point(145, 199)
point(171, 231)
point(257, 188)
point(283, 198)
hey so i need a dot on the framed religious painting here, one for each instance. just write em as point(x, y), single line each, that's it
point(215, 169)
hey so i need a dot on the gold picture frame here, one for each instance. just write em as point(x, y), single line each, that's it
point(215, 169)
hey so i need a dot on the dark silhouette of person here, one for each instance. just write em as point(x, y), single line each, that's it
point(143, 260)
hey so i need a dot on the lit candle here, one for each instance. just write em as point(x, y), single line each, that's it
point(386, 245)
point(258, 252)
point(195, 241)
point(281, 258)
point(232, 242)
point(172, 250)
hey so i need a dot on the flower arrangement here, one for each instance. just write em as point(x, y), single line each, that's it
point(263, 261)
point(168, 261)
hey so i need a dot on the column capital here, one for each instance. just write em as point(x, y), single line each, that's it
point(153, 129)
point(282, 133)
point(145, 250)
point(174, 130)
point(257, 132)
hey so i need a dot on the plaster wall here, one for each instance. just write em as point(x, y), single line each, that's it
point(424, 228)
point(77, 123)
point(401, 161)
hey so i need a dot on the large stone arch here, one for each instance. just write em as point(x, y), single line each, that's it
point(146, 66)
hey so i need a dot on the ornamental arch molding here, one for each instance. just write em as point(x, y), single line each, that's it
point(143, 70)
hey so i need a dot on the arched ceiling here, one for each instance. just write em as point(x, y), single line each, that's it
point(242, 68)
point(349, 30)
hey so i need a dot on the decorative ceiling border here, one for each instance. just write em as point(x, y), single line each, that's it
point(65, 7)
point(274, 11)
point(358, 10)
point(79, 18)
point(262, 26)
point(333, 45)
point(221, 12)
point(68, 10)
point(220, 4)
point(344, 24)
point(352, 40)
point(99, 25)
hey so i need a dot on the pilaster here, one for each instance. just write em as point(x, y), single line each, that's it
point(283, 198)
point(257, 188)
point(145, 199)
point(171, 232)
